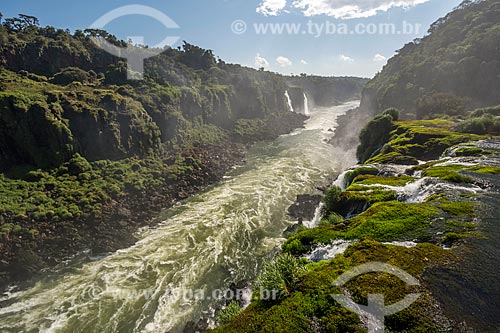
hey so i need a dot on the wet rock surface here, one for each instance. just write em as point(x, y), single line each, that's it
point(304, 206)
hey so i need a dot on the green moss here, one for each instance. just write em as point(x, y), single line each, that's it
point(420, 140)
point(447, 173)
point(458, 208)
point(472, 151)
point(452, 237)
point(379, 180)
point(302, 242)
point(487, 170)
point(389, 221)
point(361, 195)
point(363, 170)
point(393, 158)
point(384, 221)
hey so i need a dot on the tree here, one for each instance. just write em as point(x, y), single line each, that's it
point(331, 199)
point(431, 106)
point(29, 20)
point(393, 112)
point(79, 34)
point(73, 74)
point(23, 22)
point(197, 57)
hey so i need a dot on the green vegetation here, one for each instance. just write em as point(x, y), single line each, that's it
point(458, 208)
point(486, 124)
point(331, 198)
point(362, 170)
point(379, 180)
point(447, 173)
point(374, 136)
point(453, 67)
point(410, 141)
point(310, 305)
point(472, 151)
point(280, 276)
point(384, 221)
point(79, 189)
point(332, 218)
point(452, 172)
point(229, 313)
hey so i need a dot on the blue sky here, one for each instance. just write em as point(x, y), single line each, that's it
point(210, 24)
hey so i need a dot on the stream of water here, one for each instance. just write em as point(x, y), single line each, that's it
point(206, 243)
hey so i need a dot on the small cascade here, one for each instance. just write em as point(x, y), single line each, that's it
point(421, 189)
point(327, 252)
point(289, 100)
point(341, 181)
point(306, 105)
point(317, 217)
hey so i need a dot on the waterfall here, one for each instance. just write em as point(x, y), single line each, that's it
point(289, 100)
point(306, 105)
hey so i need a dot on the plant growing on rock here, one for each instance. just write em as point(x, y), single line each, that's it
point(229, 313)
point(281, 275)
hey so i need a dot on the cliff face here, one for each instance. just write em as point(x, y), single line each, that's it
point(86, 105)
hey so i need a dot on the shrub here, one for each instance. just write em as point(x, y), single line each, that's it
point(492, 110)
point(332, 219)
point(331, 199)
point(73, 74)
point(486, 124)
point(78, 165)
point(281, 275)
point(229, 312)
point(393, 112)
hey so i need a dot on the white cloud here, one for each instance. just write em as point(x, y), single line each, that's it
point(303, 62)
point(261, 61)
point(271, 7)
point(283, 61)
point(345, 58)
point(348, 9)
point(379, 58)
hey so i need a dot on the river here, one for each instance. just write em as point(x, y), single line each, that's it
point(203, 244)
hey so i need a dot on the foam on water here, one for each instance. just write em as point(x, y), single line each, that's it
point(329, 251)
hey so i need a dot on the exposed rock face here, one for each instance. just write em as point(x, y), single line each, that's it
point(305, 206)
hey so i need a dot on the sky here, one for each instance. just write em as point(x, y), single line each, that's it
point(322, 37)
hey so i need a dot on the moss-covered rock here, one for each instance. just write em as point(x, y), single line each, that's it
point(310, 307)
point(425, 140)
